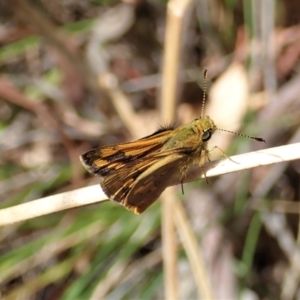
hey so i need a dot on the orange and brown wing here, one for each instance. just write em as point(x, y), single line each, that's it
point(102, 161)
point(153, 181)
point(138, 184)
point(135, 174)
point(118, 184)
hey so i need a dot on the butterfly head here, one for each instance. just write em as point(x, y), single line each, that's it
point(205, 126)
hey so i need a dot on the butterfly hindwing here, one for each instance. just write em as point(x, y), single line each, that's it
point(152, 182)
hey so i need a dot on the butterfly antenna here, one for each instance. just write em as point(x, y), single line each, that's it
point(244, 135)
point(204, 93)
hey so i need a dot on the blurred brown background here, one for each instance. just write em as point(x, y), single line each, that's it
point(54, 56)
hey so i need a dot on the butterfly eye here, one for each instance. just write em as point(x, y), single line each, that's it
point(206, 135)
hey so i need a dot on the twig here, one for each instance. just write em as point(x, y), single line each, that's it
point(94, 194)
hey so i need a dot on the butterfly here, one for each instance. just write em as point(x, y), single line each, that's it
point(135, 174)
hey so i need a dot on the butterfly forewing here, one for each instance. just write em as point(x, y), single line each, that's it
point(102, 161)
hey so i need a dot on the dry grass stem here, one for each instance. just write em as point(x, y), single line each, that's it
point(193, 251)
point(176, 12)
point(94, 194)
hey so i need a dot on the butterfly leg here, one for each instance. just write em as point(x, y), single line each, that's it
point(223, 153)
point(182, 190)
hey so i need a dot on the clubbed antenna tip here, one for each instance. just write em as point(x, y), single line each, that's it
point(258, 139)
point(244, 135)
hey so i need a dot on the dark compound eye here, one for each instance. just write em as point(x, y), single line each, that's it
point(206, 135)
